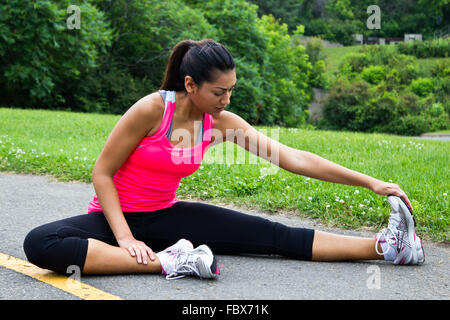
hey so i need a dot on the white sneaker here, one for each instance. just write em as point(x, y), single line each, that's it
point(399, 241)
point(181, 259)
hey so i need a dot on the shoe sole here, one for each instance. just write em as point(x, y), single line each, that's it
point(207, 272)
point(410, 222)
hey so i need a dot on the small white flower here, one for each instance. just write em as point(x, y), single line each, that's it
point(444, 194)
point(356, 191)
point(310, 198)
point(327, 206)
point(361, 205)
point(341, 201)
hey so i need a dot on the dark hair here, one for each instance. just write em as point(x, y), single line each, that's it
point(198, 59)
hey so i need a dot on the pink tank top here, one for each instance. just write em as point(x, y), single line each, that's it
point(149, 178)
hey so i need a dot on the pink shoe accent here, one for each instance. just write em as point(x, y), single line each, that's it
point(217, 269)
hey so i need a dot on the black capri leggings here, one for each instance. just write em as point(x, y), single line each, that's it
point(60, 244)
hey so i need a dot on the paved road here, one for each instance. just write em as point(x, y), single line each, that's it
point(27, 201)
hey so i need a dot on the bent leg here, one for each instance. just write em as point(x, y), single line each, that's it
point(102, 258)
point(85, 241)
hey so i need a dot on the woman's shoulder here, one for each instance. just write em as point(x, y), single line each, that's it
point(229, 120)
point(152, 105)
point(147, 111)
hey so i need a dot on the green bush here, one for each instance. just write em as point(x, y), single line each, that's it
point(354, 62)
point(422, 86)
point(44, 62)
point(425, 49)
point(373, 74)
point(378, 111)
point(414, 125)
point(345, 103)
point(410, 102)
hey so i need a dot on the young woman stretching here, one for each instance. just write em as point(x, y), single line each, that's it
point(135, 212)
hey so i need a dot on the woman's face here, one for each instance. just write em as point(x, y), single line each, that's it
point(213, 97)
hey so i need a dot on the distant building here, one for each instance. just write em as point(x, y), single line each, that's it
point(412, 37)
point(360, 39)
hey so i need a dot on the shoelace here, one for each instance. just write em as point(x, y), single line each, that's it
point(388, 239)
point(184, 265)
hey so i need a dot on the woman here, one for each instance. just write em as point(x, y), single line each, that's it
point(135, 212)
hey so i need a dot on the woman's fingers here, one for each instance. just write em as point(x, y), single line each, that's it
point(142, 253)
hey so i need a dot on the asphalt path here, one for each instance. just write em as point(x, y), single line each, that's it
point(27, 201)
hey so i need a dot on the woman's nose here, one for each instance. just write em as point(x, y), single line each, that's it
point(226, 98)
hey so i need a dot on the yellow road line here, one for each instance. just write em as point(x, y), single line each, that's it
point(67, 284)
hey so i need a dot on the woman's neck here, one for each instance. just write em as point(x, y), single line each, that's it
point(185, 109)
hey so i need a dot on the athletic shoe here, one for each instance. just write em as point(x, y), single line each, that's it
point(399, 241)
point(181, 259)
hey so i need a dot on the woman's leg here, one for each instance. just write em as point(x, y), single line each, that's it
point(227, 231)
point(102, 258)
point(85, 241)
point(231, 232)
point(334, 247)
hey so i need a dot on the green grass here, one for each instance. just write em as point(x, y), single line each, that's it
point(66, 146)
point(334, 57)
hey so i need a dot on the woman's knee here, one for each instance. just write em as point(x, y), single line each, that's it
point(35, 243)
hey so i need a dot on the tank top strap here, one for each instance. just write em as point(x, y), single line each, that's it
point(207, 128)
point(169, 107)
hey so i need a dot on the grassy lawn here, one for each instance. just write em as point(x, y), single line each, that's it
point(334, 57)
point(66, 146)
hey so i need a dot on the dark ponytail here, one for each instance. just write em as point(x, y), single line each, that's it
point(198, 59)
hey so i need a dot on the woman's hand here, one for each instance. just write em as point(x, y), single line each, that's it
point(386, 189)
point(137, 249)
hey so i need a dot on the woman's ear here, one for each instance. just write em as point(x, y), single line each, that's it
point(190, 85)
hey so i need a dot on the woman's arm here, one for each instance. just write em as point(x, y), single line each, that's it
point(125, 136)
point(297, 161)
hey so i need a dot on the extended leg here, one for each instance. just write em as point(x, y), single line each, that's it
point(335, 247)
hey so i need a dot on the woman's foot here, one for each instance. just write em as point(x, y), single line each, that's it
point(398, 241)
point(182, 259)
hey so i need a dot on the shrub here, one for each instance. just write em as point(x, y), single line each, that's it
point(410, 101)
point(425, 49)
point(373, 74)
point(378, 111)
point(354, 62)
point(344, 103)
point(422, 86)
point(413, 125)
point(44, 62)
